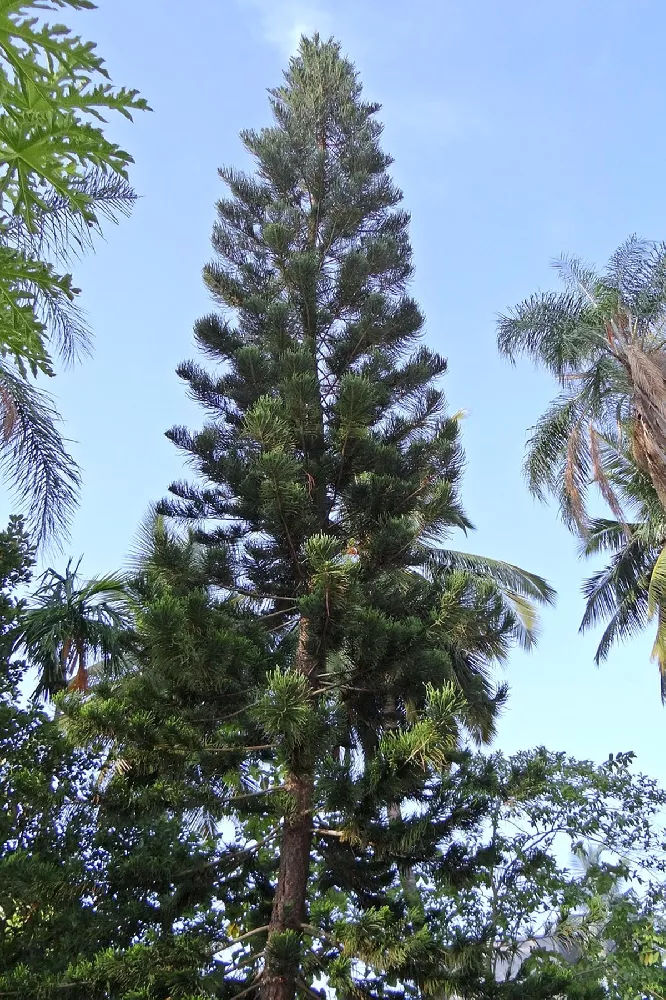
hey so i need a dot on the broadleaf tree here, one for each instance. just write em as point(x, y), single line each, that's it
point(534, 921)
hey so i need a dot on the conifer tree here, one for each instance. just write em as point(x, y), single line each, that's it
point(328, 478)
point(271, 792)
point(119, 882)
point(103, 896)
point(445, 900)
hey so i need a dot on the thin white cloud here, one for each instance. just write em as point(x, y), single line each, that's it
point(282, 22)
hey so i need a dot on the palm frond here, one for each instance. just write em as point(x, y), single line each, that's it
point(151, 528)
point(519, 581)
point(618, 594)
point(57, 231)
point(577, 470)
point(558, 331)
point(659, 651)
point(602, 387)
point(606, 535)
point(526, 618)
point(631, 270)
point(43, 478)
point(656, 595)
point(579, 278)
point(628, 620)
point(547, 447)
point(601, 475)
point(624, 579)
point(65, 325)
point(66, 622)
point(483, 700)
point(634, 489)
point(560, 461)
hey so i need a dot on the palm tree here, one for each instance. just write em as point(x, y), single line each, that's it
point(60, 178)
point(630, 590)
point(604, 340)
point(68, 623)
point(41, 473)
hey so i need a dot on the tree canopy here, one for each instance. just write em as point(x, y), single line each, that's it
point(256, 764)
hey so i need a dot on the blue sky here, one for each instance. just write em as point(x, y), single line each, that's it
point(520, 130)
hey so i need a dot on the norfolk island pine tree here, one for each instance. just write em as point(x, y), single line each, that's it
point(328, 474)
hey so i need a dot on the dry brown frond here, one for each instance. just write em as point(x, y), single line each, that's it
point(650, 457)
point(600, 477)
point(648, 376)
point(572, 464)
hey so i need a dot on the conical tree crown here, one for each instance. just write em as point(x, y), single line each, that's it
point(327, 461)
point(326, 417)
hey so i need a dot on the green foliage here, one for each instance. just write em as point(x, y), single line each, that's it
point(278, 788)
point(60, 176)
point(150, 868)
point(284, 709)
point(66, 623)
point(329, 482)
point(430, 742)
point(101, 894)
point(602, 340)
point(539, 925)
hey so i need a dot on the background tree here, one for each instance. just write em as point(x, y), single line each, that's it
point(602, 338)
point(628, 592)
point(149, 867)
point(66, 623)
point(497, 911)
point(60, 176)
point(102, 894)
point(329, 480)
point(531, 921)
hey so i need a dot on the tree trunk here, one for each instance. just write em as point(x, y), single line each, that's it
point(290, 900)
point(407, 876)
point(394, 812)
point(289, 903)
